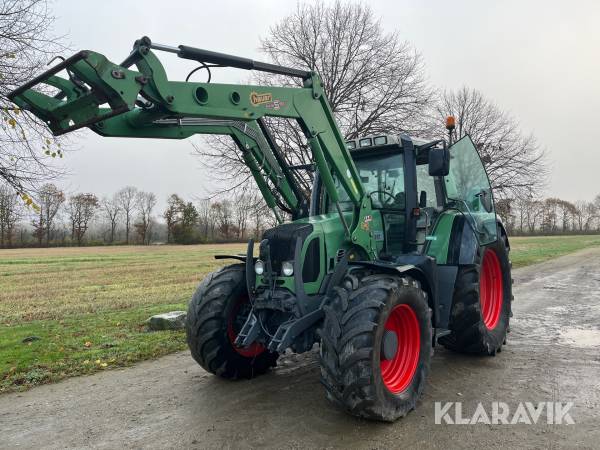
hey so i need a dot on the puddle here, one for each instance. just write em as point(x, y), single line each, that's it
point(580, 338)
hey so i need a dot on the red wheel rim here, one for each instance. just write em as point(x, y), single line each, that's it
point(234, 323)
point(398, 372)
point(491, 291)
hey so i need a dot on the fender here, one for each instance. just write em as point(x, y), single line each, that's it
point(422, 268)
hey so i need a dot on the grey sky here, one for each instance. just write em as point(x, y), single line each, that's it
point(538, 60)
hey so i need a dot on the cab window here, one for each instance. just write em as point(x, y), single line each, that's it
point(382, 177)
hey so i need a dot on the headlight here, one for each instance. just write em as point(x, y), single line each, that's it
point(287, 268)
point(259, 267)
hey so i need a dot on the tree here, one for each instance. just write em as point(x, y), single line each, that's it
point(81, 209)
point(27, 44)
point(145, 203)
point(126, 199)
point(112, 210)
point(10, 214)
point(205, 219)
point(184, 231)
point(171, 214)
point(50, 200)
point(515, 163)
point(244, 203)
point(223, 214)
point(374, 81)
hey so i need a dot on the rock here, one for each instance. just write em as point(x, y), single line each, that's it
point(174, 320)
point(31, 339)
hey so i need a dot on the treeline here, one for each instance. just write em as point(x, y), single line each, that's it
point(549, 216)
point(130, 216)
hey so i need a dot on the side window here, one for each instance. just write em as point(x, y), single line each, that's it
point(468, 185)
point(426, 183)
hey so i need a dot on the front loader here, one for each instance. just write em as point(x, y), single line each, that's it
point(396, 248)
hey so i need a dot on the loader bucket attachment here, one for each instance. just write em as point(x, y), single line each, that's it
point(96, 89)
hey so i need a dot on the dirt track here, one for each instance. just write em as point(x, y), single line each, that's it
point(553, 354)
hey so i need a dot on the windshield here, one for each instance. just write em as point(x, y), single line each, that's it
point(382, 176)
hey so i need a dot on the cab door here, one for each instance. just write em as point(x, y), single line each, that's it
point(468, 188)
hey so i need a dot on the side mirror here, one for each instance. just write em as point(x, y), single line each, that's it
point(486, 200)
point(439, 162)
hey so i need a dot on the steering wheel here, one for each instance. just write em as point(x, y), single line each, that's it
point(385, 202)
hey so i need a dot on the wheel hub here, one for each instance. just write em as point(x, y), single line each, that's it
point(389, 344)
point(237, 317)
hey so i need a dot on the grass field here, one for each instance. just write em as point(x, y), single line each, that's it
point(87, 306)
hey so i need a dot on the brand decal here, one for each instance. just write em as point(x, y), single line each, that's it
point(365, 225)
point(275, 104)
point(260, 99)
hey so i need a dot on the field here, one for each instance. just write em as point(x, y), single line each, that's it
point(83, 310)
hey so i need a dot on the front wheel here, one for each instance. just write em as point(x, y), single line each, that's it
point(376, 346)
point(216, 314)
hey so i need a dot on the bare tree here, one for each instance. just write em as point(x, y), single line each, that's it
point(145, 201)
point(205, 219)
point(112, 210)
point(81, 209)
point(126, 199)
point(374, 81)
point(51, 199)
point(10, 214)
point(514, 162)
point(223, 214)
point(26, 45)
point(243, 204)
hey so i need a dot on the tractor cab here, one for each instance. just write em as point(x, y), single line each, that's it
point(395, 175)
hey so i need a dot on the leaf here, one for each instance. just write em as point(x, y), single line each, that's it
point(103, 365)
point(12, 122)
point(98, 361)
point(87, 361)
point(87, 344)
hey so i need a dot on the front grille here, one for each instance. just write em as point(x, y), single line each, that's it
point(282, 242)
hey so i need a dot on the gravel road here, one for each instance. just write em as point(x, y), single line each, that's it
point(552, 355)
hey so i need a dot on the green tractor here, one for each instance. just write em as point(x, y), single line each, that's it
point(396, 248)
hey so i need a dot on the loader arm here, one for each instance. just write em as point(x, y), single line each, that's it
point(114, 100)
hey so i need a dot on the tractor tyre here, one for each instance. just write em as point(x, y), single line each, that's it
point(376, 345)
point(481, 305)
point(215, 316)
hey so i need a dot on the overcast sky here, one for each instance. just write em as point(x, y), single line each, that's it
point(539, 60)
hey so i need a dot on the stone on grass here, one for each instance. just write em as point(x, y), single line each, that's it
point(174, 320)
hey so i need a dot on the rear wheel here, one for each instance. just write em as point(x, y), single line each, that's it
point(376, 346)
point(216, 314)
point(481, 305)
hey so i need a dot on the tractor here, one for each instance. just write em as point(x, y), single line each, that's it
point(396, 248)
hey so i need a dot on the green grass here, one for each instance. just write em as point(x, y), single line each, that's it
point(88, 306)
point(532, 250)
